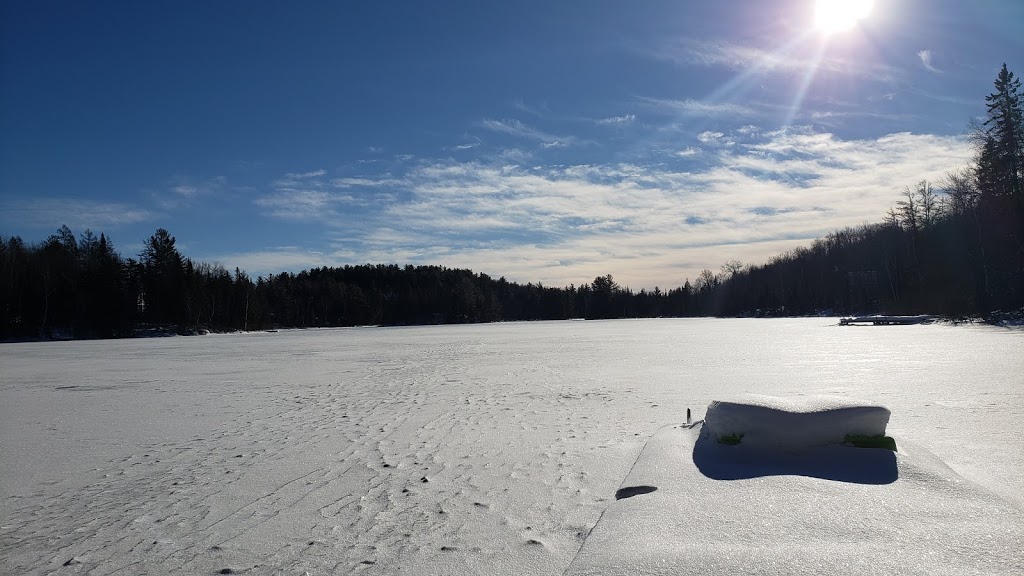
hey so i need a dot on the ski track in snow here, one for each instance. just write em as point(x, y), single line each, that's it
point(435, 450)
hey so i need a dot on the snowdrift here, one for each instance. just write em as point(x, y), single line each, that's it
point(781, 424)
point(771, 436)
point(793, 496)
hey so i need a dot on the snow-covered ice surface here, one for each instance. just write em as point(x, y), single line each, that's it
point(488, 448)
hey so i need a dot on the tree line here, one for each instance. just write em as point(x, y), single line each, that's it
point(955, 247)
point(83, 288)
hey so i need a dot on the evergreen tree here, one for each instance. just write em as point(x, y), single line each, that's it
point(603, 291)
point(163, 279)
point(1001, 159)
point(1000, 169)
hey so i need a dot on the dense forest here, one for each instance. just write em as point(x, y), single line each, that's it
point(954, 247)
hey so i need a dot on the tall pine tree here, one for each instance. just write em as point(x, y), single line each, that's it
point(1001, 159)
point(1000, 170)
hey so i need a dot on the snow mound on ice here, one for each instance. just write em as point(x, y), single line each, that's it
point(792, 424)
point(772, 518)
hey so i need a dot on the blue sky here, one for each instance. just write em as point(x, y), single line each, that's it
point(542, 141)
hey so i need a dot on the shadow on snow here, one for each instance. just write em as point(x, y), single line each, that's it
point(839, 463)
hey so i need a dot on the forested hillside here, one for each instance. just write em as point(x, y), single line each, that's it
point(953, 247)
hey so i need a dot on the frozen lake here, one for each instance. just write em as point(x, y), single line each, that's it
point(430, 450)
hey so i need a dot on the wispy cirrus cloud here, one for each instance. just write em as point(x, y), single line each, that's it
point(295, 204)
point(351, 182)
point(725, 54)
point(649, 224)
point(926, 57)
point(77, 213)
point(520, 130)
point(185, 191)
point(949, 99)
point(827, 117)
point(278, 259)
point(297, 179)
point(315, 196)
point(617, 120)
point(305, 175)
point(714, 138)
point(754, 59)
point(690, 107)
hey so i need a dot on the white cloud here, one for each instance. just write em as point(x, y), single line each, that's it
point(310, 196)
point(365, 182)
point(304, 175)
point(297, 204)
point(276, 260)
point(646, 224)
point(687, 152)
point(708, 136)
point(618, 120)
point(943, 97)
point(522, 106)
point(926, 61)
point(689, 107)
point(515, 156)
point(186, 191)
point(757, 60)
point(75, 213)
point(520, 130)
point(826, 117)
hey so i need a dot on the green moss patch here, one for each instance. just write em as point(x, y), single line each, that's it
point(730, 439)
point(879, 441)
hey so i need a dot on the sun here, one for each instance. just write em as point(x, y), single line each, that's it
point(831, 16)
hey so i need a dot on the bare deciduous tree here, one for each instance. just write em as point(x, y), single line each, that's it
point(961, 192)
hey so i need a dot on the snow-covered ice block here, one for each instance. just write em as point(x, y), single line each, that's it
point(792, 424)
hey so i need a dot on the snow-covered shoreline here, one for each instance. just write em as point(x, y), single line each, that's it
point(428, 450)
point(999, 318)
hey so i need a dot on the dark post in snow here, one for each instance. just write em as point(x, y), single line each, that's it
point(688, 420)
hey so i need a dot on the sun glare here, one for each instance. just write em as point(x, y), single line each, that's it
point(831, 16)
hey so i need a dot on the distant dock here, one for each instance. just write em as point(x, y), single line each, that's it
point(886, 320)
